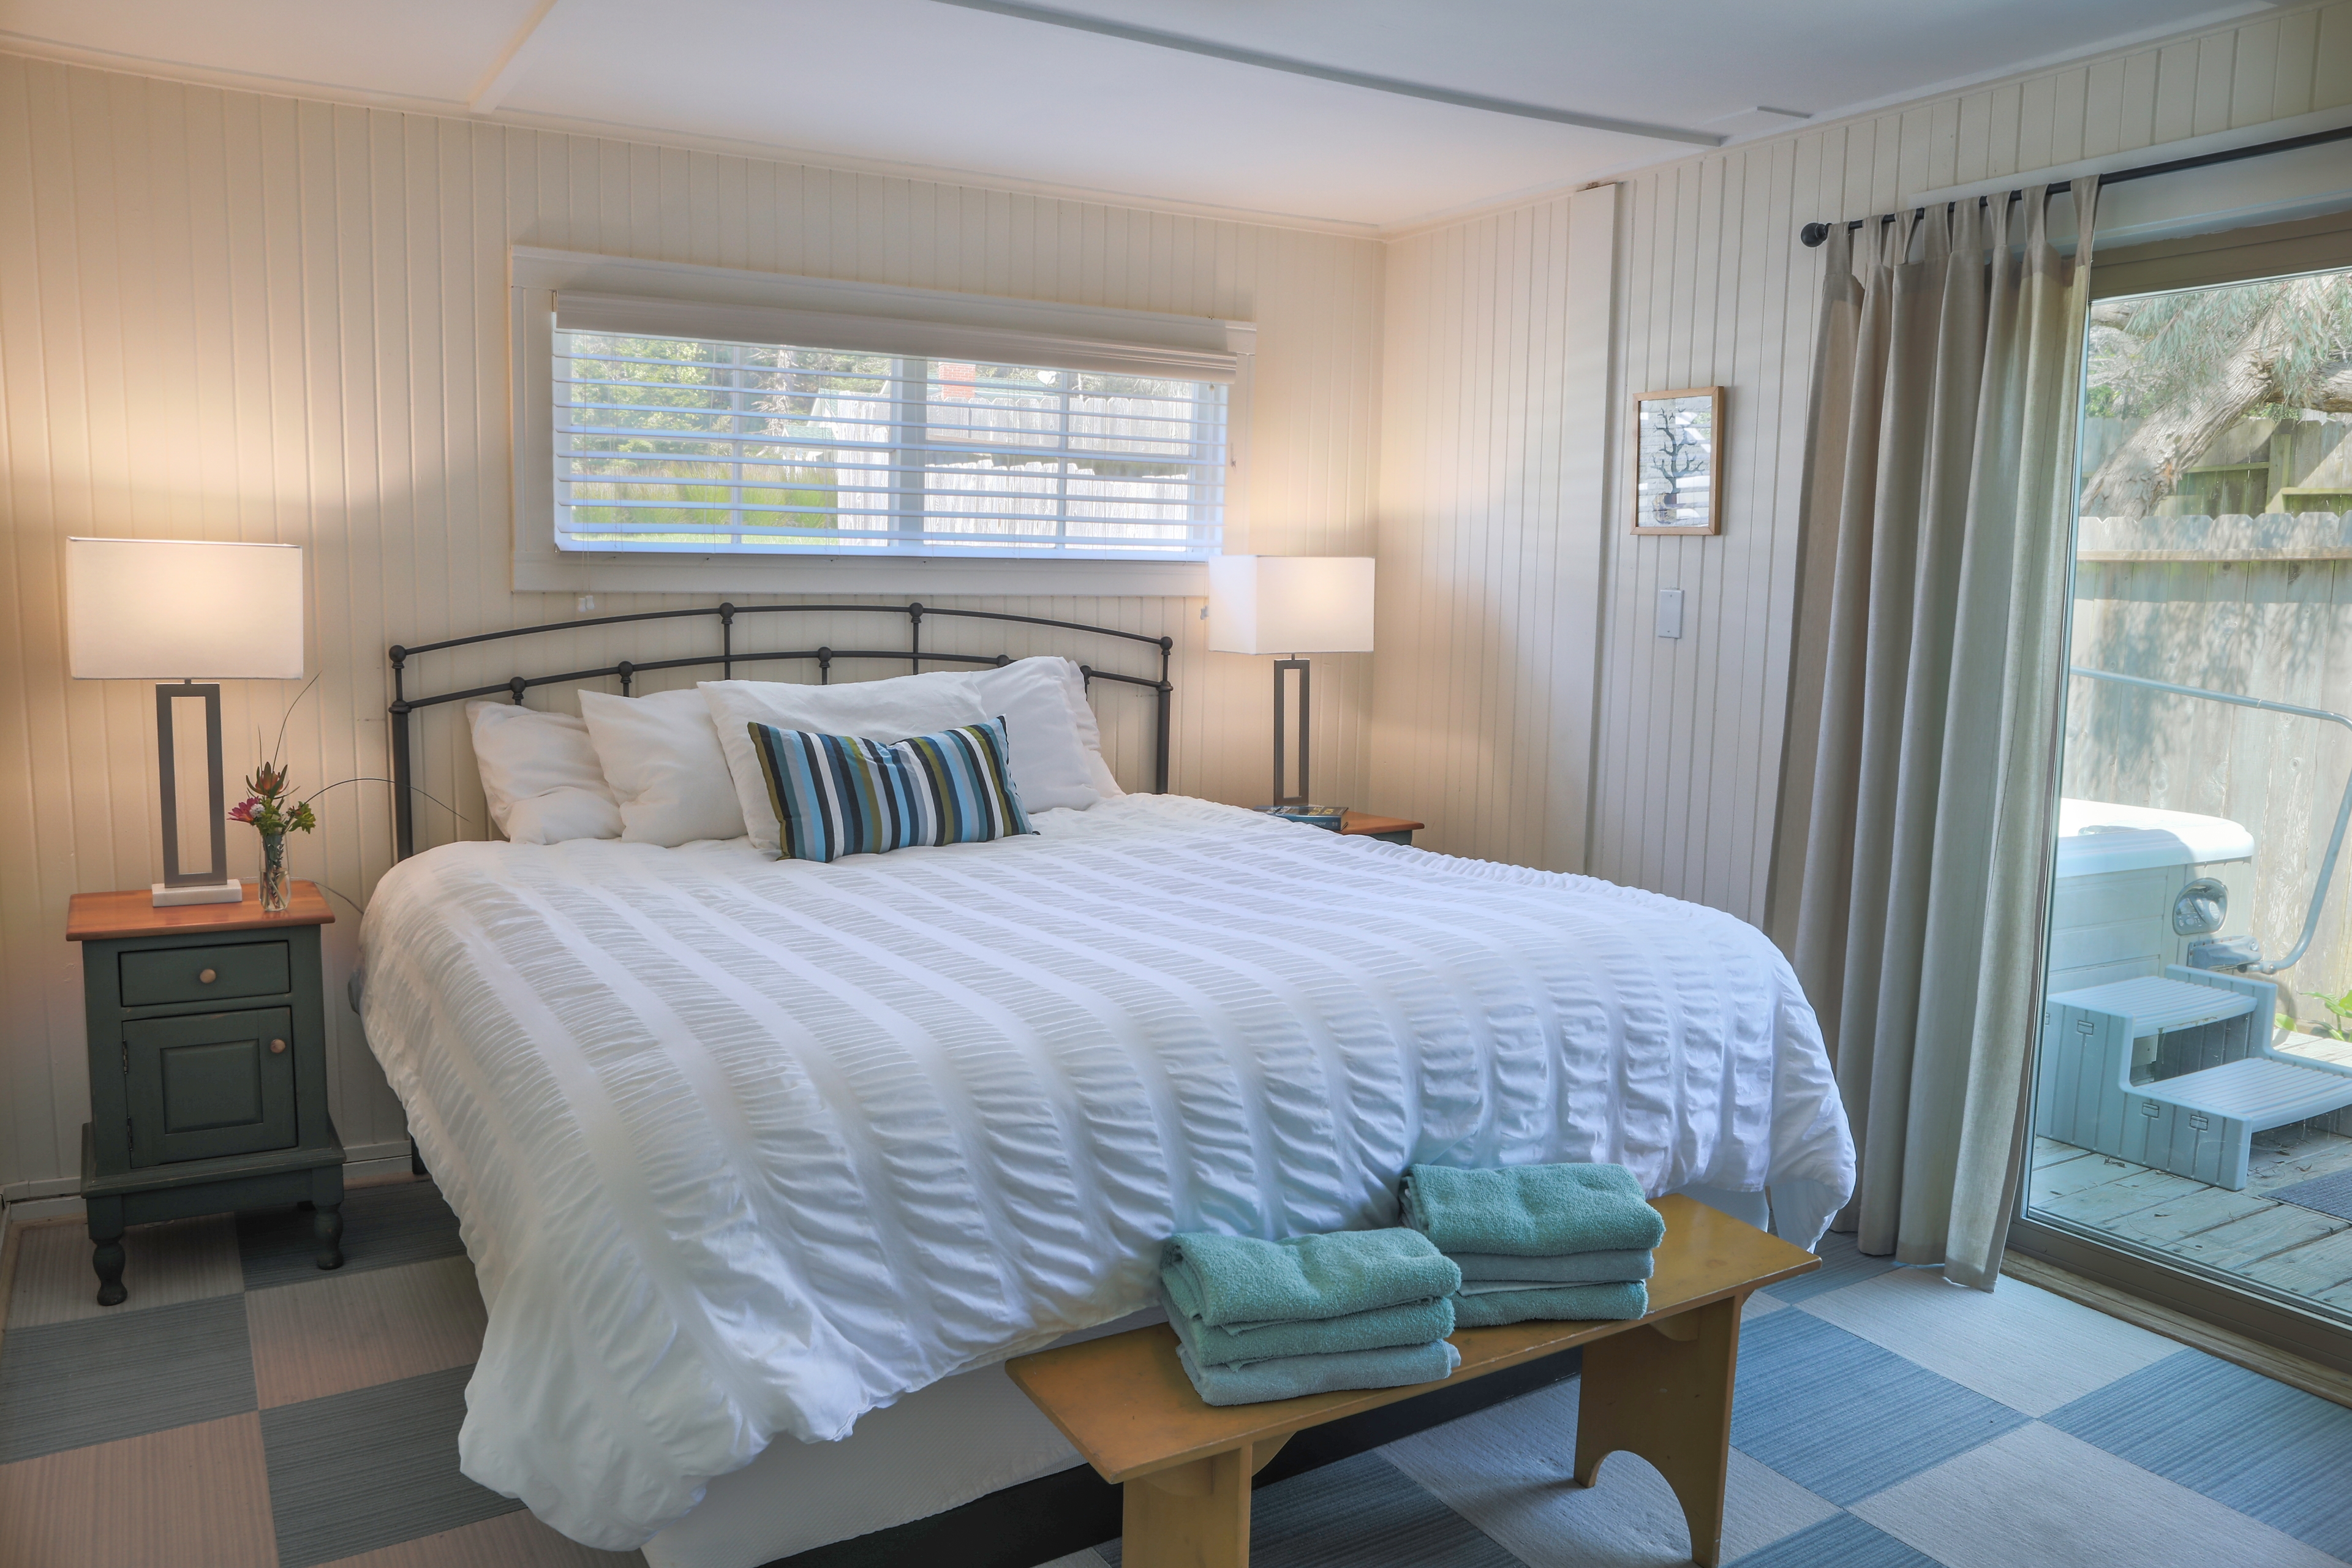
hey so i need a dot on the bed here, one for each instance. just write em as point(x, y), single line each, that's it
point(765, 1166)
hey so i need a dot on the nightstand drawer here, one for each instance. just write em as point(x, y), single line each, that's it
point(216, 1083)
point(205, 973)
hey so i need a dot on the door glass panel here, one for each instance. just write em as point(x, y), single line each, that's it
point(2194, 1083)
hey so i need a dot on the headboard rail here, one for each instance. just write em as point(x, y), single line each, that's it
point(404, 706)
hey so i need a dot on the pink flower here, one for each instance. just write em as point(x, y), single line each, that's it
point(243, 810)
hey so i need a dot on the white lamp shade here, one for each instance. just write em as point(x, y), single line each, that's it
point(1290, 603)
point(170, 609)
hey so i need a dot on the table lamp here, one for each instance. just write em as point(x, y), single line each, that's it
point(1290, 604)
point(186, 611)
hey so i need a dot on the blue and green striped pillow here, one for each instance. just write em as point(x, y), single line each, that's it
point(838, 794)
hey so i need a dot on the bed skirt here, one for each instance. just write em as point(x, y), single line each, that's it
point(937, 1448)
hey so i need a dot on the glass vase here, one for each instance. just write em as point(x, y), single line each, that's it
point(277, 888)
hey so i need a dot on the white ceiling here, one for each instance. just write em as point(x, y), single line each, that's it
point(939, 87)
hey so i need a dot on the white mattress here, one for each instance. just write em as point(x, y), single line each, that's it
point(742, 1149)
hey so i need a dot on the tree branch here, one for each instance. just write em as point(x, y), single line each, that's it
point(2334, 393)
point(2149, 466)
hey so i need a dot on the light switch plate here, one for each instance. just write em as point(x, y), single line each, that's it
point(1670, 611)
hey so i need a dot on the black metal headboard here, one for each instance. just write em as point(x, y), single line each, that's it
point(727, 659)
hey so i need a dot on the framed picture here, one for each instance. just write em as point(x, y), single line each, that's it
point(1677, 454)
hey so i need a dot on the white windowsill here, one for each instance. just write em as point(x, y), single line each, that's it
point(628, 573)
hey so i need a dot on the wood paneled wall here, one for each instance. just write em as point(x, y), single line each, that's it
point(229, 315)
point(1480, 619)
point(1711, 286)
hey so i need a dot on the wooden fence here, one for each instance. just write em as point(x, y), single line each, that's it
point(2258, 605)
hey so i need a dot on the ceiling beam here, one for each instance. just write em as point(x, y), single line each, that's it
point(500, 79)
point(1215, 51)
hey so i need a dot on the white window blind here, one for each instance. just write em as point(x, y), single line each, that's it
point(697, 443)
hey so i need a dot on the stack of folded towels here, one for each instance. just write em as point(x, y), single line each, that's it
point(1274, 1320)
point(1557, 1242)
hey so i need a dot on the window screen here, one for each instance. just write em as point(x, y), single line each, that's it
point(694, 445)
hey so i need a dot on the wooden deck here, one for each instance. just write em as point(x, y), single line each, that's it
point(2249, 1233)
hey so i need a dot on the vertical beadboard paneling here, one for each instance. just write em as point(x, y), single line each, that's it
point(1476, 617)
point(229, 315)
point(1712, 287)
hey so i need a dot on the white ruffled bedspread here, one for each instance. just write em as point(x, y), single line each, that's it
point(742, 1149)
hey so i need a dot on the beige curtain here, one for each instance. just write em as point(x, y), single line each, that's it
point(1915, 826)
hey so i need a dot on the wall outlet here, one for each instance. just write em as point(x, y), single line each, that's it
point(1670, 611)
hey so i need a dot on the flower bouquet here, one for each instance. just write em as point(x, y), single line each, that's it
point(270, 807)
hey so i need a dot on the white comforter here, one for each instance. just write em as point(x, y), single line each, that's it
point(743, 1149)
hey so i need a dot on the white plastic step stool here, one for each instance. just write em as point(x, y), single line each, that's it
point(2198, 1124)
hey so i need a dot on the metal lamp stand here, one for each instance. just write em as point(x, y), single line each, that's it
point(1300, 665)
point(212, 884)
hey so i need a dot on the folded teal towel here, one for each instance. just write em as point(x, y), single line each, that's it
point(1287, 1377)
point(1237, 1281)
point(1561, 1303)
point(1530, 1211)
point(1415, 1324)
point(1605, 1268)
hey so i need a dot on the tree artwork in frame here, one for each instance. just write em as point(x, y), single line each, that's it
point(1677, 454)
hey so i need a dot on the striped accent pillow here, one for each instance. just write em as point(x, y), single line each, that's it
point(838, 794)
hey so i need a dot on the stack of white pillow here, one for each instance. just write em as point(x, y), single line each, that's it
point(676, 766)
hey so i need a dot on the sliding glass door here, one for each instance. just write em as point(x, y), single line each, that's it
point(2192, 1093)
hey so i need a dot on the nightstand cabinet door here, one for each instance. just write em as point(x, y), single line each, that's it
point(207, 1084)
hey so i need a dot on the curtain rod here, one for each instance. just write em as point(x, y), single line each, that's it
point(1813, 234)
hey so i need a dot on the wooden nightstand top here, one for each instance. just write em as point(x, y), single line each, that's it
point(101, 917)
point(1365, 822)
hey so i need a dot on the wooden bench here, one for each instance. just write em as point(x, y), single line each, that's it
point(1661, 1389)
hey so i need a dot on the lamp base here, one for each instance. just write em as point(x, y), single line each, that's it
point(230, 892)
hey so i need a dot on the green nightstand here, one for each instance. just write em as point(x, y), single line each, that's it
point(207, 1067)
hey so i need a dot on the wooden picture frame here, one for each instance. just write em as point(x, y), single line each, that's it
point(1678, 456)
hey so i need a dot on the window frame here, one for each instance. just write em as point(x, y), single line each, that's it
point(689, 299)
point(903, 466)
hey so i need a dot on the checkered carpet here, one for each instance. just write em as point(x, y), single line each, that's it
point(1883, 1419)
point(242, 1408)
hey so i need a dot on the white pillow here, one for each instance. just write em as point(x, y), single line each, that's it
point(1054, 752)
point(661, 758)
point(539, 774)
point(1082, 713)
point(889, 710)
point(563, 815)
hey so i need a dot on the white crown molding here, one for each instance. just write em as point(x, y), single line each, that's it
point(725, 146)
point(931, 174)
point(1515, 201)
point(2220, 19)
point(1829, 120)
point(48, 49)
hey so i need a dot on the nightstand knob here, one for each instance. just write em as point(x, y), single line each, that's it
point(277, 1047)
point(207, 976)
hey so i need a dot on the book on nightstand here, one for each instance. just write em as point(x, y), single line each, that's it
point(1325, 817)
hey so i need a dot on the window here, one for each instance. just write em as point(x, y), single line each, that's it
point(664, 444)
point(698, 429)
